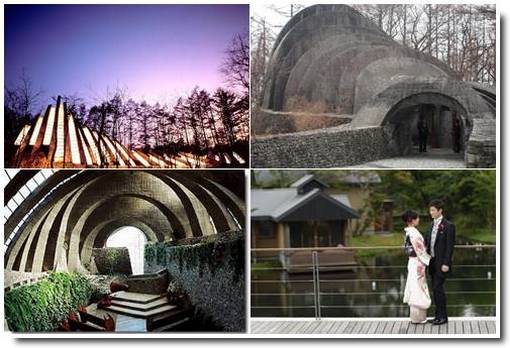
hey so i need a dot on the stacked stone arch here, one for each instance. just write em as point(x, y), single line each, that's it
point(60, 231)
point(334, 71)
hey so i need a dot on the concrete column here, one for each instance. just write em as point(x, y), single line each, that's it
point(446, 140)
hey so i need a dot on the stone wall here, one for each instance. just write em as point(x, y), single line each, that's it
point(481, 146)
point(333, 147)
point(111, 261)
point(211, 270)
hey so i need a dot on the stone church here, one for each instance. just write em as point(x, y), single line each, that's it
point(340, 92)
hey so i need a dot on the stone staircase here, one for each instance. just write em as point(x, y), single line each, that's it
point(154, 308)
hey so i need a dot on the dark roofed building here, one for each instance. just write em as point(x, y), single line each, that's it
point(300, 216)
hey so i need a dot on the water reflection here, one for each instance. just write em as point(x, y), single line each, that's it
point(374, 288)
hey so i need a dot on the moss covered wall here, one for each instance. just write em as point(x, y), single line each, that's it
point(42, 306)
point(211, 270)
point(111, 260)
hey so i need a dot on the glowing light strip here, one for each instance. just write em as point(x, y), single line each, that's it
point(141, 159)
point(188, 158)
point(123, 151)
point(75, 149)
point(113, 151)
point(88, 159)
point(180, 163)
point(22, 134)
point(37, 129)
point(59, 152)
point(48, 132)
point(239, 158)
point(157, 161)
point(92, 143)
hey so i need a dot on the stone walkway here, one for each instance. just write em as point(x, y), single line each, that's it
point(433, 158)
point(377, 326)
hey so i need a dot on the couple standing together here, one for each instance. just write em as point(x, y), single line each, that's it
point(435, 252)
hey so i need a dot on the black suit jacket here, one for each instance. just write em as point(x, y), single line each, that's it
point(443, 247)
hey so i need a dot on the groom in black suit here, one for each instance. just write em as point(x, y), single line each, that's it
point(440, 242)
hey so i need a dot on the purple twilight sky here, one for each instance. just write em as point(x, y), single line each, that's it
point(157, 51)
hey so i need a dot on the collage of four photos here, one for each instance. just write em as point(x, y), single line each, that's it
point(251, 170)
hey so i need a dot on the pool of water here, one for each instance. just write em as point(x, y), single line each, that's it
point(374, 288)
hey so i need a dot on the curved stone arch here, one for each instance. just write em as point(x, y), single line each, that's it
point(325, 73)
point(311, 64)
point(284, 62)
point(362, 60)
point(112, 225)
point(191, 203)
point(128, 181)
point(325, 64)
point(17, 259)
point(116, 185)
point(228, 198)
point(303, 31)
point(114, 206)
point(158, 227)
point(382, 73)
point(45, 252)
point(405, 119)
point(373, 113)
point(425, 98)
point(59, 193)
point(317, 10)
point(49, 184)
point(205, 197)
point(72, 252)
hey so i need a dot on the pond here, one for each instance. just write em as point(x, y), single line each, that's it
point(373, 288)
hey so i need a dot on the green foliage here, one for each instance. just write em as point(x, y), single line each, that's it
point(41, 306)
point(210, 252)
point(469, 196)
point(483, 236)
point(112, 261)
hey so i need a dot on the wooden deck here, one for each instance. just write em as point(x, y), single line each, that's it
point(376, 326)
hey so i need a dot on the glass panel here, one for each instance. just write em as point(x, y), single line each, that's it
point(12, 205)
point(37, 129)
point(18, 198)
point(49, 127)
point(59, 151)
point(75, 150)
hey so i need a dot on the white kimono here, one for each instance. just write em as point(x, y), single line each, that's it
point(416, 292)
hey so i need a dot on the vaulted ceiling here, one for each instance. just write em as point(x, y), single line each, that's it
point(56, 223)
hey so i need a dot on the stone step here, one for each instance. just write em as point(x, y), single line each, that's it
point(139, 313)
point(141, 306)
point(135, 297)
point(170, 325)
point(169, 319)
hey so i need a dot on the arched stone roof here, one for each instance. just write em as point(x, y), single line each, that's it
point(61, 223)
point(332, 56)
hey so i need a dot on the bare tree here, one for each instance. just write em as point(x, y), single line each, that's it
point(236, 66)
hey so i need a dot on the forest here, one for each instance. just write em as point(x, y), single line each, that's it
point(198, 122)
point(460, 35)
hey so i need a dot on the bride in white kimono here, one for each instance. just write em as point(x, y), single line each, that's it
point(416, 292)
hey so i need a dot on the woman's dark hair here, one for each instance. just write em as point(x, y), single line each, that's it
point(409, 215)
point(436, 203)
